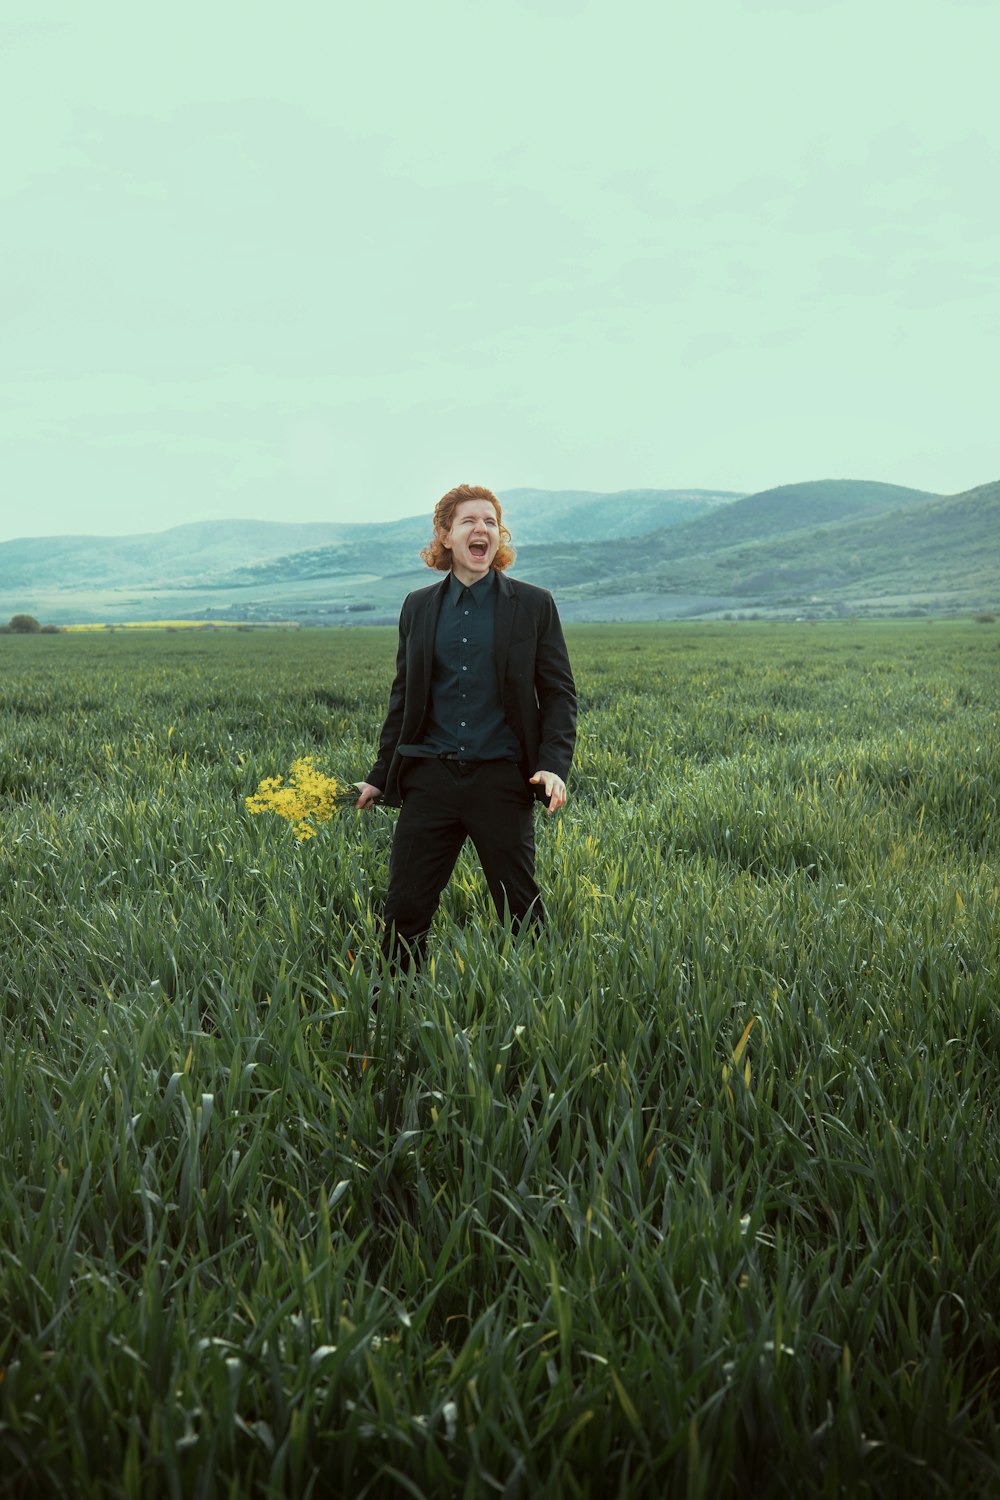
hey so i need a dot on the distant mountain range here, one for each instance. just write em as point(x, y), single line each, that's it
point(821, 548)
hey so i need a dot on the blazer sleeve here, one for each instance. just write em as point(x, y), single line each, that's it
point(555, 690)
point(389, 737)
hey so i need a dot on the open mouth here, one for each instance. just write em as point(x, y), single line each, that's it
point(479, 549)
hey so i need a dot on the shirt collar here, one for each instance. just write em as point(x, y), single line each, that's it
point(478, 592)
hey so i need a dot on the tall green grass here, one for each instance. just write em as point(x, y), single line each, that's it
point(695, 1195)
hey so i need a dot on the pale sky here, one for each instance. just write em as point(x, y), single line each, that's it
point(320, 261)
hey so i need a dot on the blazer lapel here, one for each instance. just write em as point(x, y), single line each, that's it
point(428, 631)
point(503, 624)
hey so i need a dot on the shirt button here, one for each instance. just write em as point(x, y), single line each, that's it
point(463, 724)
point(465, 669)
point(465, 640)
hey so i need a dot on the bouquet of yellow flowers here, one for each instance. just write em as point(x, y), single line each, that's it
point(305, 799)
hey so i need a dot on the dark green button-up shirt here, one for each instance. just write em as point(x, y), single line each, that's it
point(466, 715)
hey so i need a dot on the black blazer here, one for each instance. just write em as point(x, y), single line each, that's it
point(533, 673)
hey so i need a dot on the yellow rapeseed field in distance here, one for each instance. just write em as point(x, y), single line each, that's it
point(187, 625)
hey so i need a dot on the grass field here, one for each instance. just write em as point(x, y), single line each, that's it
point(696, 1196)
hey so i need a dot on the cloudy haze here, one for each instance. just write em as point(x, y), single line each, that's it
point(313, 261)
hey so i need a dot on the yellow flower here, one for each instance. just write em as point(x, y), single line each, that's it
point(307, 798)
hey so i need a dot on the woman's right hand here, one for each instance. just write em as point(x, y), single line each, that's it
point(367, 793)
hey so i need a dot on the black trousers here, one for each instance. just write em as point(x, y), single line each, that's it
point(445, 802)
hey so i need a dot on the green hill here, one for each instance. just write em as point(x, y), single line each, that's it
point(792, 508)
point(948, 546)
point(585, 516)
point(241, 554)
point(180, 552)
point(534, 516)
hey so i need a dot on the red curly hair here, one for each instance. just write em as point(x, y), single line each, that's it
point(436, 554)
